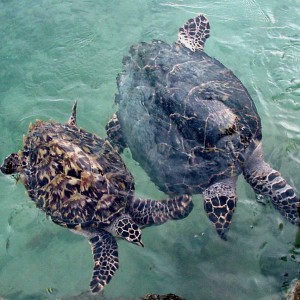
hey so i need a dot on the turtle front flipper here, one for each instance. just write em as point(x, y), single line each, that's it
point(154, 212)
point(219, 203)
point(269, 182)
point(114, 134)
point(105, 251)
point(194, 33)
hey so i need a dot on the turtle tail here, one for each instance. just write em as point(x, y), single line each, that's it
point(72, 119)
point(194, 33)
point(269, 182)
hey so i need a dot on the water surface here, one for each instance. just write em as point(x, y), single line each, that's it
point(53, 52)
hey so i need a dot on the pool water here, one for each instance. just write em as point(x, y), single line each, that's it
point(55, 52)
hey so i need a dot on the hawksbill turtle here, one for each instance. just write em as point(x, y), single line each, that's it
point(81, 183)
point(193, 127)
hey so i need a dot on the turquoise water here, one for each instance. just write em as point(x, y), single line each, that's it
point(53, 52)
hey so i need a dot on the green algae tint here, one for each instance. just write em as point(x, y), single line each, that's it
point(54, 52)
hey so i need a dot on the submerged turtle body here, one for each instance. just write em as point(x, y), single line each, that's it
point(192, 125)
point(81, 182)
point(186, 112)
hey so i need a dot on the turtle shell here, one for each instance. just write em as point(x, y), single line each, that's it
point(73, 175)
point(187, 119)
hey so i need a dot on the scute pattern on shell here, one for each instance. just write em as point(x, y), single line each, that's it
point(73, 175)
point(180, 106)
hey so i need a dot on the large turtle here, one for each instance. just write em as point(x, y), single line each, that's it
point(81, 182)
point(192, 125)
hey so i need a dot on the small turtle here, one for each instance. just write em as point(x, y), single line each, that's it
point(193, 127)
point(81, 182)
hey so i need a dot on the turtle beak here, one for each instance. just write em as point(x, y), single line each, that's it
point(139, 243)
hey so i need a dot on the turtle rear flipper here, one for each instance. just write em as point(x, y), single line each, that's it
point(194, 33)
point(269, 182)
point(154, 212)
point(114, 133)
point(106, 262)
point(219, 203)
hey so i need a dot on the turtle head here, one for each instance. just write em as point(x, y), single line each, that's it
point(124, 227)
point(10, 164)
point(135, 235)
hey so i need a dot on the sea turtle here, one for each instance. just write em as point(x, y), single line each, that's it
point(81, 182)
point(193, 127)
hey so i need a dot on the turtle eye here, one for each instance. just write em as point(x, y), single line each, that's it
point(10, 164)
